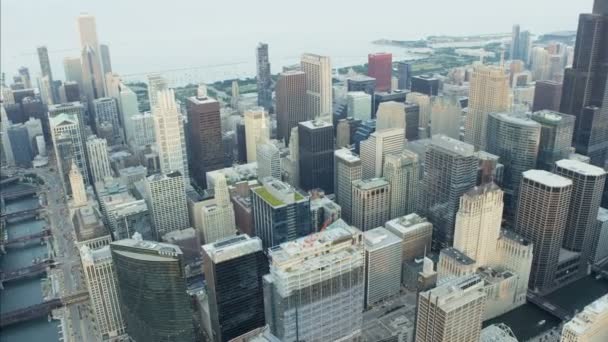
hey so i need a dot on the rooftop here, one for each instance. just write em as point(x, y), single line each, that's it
point(87, 224)
point(456, 292)
point(347, 155)
point(520, 119)
point(408, 223)
point(368, 184)
point(272, 189)
point(201, 99)
point(509, 234)
point(451, 145)
point(602, 215)
point(232, 247)
point(458, 256)
point(547, 178)
point(551, 117)
point(151, 250)
point(590, 317)
point(580, 167)
point(361, 78)
point(379, 238)
point(315, 124)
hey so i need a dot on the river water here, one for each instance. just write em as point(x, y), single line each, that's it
point(23, 293)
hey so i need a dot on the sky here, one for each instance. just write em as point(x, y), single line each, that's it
point(149, 34)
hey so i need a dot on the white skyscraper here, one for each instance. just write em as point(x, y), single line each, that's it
point(166, 198)
point(347, 168)
point(170, 138)
point(142, 133)
point(92, 72)
point(377, 146)
point(318, 85)
point(383, 252)
point(69, 145)
point(359, 105)
point(256, 131)
point(269, 160)
point(401, 172)
point(218, 220)
point(100, 279)
point(128, 109)
point(424, 102)
point(72, 68)
point(7, 150)
point(445, 116)
point(79, 193)
point(156, 83)
point(106, 111)
point(390, 114)
point(99, 162)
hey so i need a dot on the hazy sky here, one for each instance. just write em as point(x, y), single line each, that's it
point(144, 29)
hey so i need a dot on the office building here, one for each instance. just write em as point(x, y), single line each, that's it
point(592, 139)
point(316, 149)
point(170, 138)
point(71, 91)
point(445, 116)
point(66, 132)
point(514, 52)
point(264, 81)
point(383, 251)
point(269, 160)
point(89, 229)
point(600, 247)
point(256, 131)
point(362, 83)
point(234, 268)
point(556, 131)
point(347, 168)
point(380, 67)
point(291, 163)
point(450, 170)
point(45, 71)
point(296, 307)
point(100, 280)
point(166, 198)
point(217, 220)
point(24, 73)
point(92, 72)
point(318, 86)
point(412, 121)
point(488, 93)
point(452, 311)
point(323, 211)
point(205, 137)
point(425, 84)
point(142, 130)
point(156, 83)
point(424, 112)
point(290, 102)
point(20, 145)
point(380, 97)
point(547, 95)
point(404, 74)
point(401, 171)
point(99, 163)
point(542, 213)
point(152, 286)
point(73, 71)
point(124, 213)
point(591, 324)
point(375, 149)
point(370, 203)
point(106, 62)
point(280, 213)
point(391, 114)
point(106, 111)
point(415, 233)
point(359, 105)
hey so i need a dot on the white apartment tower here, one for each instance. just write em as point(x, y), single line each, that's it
point(100, 279)
point(269, 160)
point(99, 162)
point(383, 251)
point(488, 93)
point(217, 220)
point(401, 172)
point(347, 169)
point(170, 138)
point(318, 86)
point(370, 203)
point(256, 131)
point(376, 147)
point(166, 198)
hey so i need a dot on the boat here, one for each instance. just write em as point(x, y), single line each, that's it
point(541, 322)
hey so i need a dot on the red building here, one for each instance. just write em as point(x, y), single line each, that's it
point(380, 67)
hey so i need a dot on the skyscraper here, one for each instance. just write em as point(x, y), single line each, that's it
point(383, 252)
point(106, 111)
point(217, 219)
point(592, 137)
point(263, 77)
point(268, 158)
point(370, 203)
point(316, 149)
point(425, 84)
point(547, 95)
point(78, 191)
point(25, 77)
point(514, 53)
point(66, 127)
point(106, 62)
point(99, 163)
point(291, 102)
point(318, 86)
point(380, 67)
point(205, 137)
point(542, 212)
point(170, 138)
point(375, 149)
point(100, 279)
point(359, 105)
point(45, 70)
point(424, 104)
point(556, 131)
point(416, 235)
point(401, 171)
point(152, 286)
point(450, 170)
point(256, 130)
point(156, 83)
point(166, 198)
point(404, 73)
point(234, 268)
point(92, 72)
point(488, 93)
point(452, 311)
point(591, 324)
point(446, 114)
point(391, 114)
point(73, 70)
point(280, 213)
point(297, 309)
point(347, 168)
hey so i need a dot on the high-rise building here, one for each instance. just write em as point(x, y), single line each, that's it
point(170, 138)
point(67, 127)
point(404, 73)
point(450, 170)
point(234, 268)
point(142, 130)
point(318, 86)
point(72, 68)
point(100, 280)
point(263, 77)
point(370, 203)
point(383, 252)
point(452, 311)
point(297, 309)
point(424, 112)
point(412, 121)
point(280, 213)
point(106, 111)
point(401, 172)
point(380, 67)
point(291, 102)
point(425, 84)
point(592, 137)
point(542, 213)
point(375, 149)
point(45, 70)
point(205, 137)
point(347, 167)
point(256, 131)
point(152, 286)
point(106, 62)
point(268, 158)
point(92, 72)
point(78, 191)
point(99, 163)
point(514, 52)
point(21, 146)
point(156, 83)
point(547, 95)
point(362, 83)
point(25, 77)
point(556, 131)
point(446, 114)
point(391, 114)
point(217, 218)
point(488, 93)
point(359, 105)
point(71, 91)
point(415, 233)
point(591, 324)
point(587, 185)
point(316, 150)
point(166, 198)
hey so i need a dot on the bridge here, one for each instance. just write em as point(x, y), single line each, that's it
point(9, 180)
point(601, 268)
point(42, 234)
point(550, 308)
point(42, 309)
point(19, 193)
point(26, 272)
point(22, 214)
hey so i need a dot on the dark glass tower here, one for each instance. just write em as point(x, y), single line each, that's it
point(152, 285)
point(263, 77)
point(234, 268)
point(316, 140)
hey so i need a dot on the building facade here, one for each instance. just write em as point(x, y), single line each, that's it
point(166, 198)
point(316, 149)
point(401, 171)
point(370, 202)
point(318, 86)
point(291, 102)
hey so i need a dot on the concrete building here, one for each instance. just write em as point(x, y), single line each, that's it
point(92, 72)
point(318, 86)
point(600, 248)
point(404, 72)
point(591, 324)
point(295, 306)
point(152, 286)
point(264, 82)
point(217, 220)
point(323, 212)
point(142, 130)
point(401, 172)
point(234, 268)
point(268, 157)
point(156, 83)
point(166, 199)
point(100, 280)
point(488, 93)
point(291, 102)
point(391, 114)
point(451, 312)
point(359, 105)
point(89, 229)
point(347, 167)
point(424, 104)
point(124, 213)
point(415, 233)
point(446, 116)
point(316, 149)
point(375, 149)
point(106, 111)
point(370, 203)
point(383, 251)
point(280, 213)
point(257, 130)
point(170, 137)
point(72, 68)
point(425, 84)
point(68, 142)
point(556, 131)
point(20, 144)
point(542, 213)
point(78, 191)
point(99, 162)
point(380, 67)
